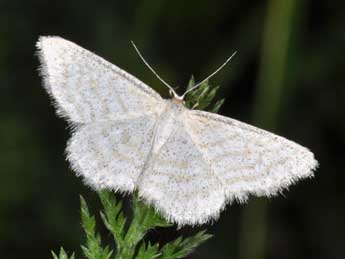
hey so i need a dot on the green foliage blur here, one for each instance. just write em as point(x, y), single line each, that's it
point(129, 231)
point(287, 77)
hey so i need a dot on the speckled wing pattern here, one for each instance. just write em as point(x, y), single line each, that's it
point(180, 182)
point(86, 88)
point(112, 113)
point(246, 159)
point(211, 160)
point(188, 164)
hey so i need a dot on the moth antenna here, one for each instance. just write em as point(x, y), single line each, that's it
point(211, 75)
point(152, 70)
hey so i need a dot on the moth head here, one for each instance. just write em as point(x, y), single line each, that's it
point(175, 97)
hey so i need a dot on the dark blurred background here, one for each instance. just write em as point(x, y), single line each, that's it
point(288, 77)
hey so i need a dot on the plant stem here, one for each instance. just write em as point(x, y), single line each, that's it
point(273, 69)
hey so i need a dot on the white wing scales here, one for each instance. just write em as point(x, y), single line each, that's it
point(113, 113)
point(86, 88)
point(248, 160)
point(187, 166)
point(112, 154)
point(180, 183)
point(210, 160)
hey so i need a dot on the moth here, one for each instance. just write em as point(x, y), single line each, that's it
point(187, 163)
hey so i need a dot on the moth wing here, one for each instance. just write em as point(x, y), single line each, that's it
point(86, 88)
point(111, 154)
point(248, 160)
point(180, 183)
point(113, 113)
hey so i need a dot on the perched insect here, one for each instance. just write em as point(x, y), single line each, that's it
point(187, 163)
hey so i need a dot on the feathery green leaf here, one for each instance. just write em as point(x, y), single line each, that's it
point(62, 254)
point(180, 247)
point(93, 248)
point(203, 97)
point(148, 251)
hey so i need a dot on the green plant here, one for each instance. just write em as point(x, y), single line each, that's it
point(62, 255)
point(128, 232)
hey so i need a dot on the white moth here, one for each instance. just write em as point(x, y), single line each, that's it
point(187, 163)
